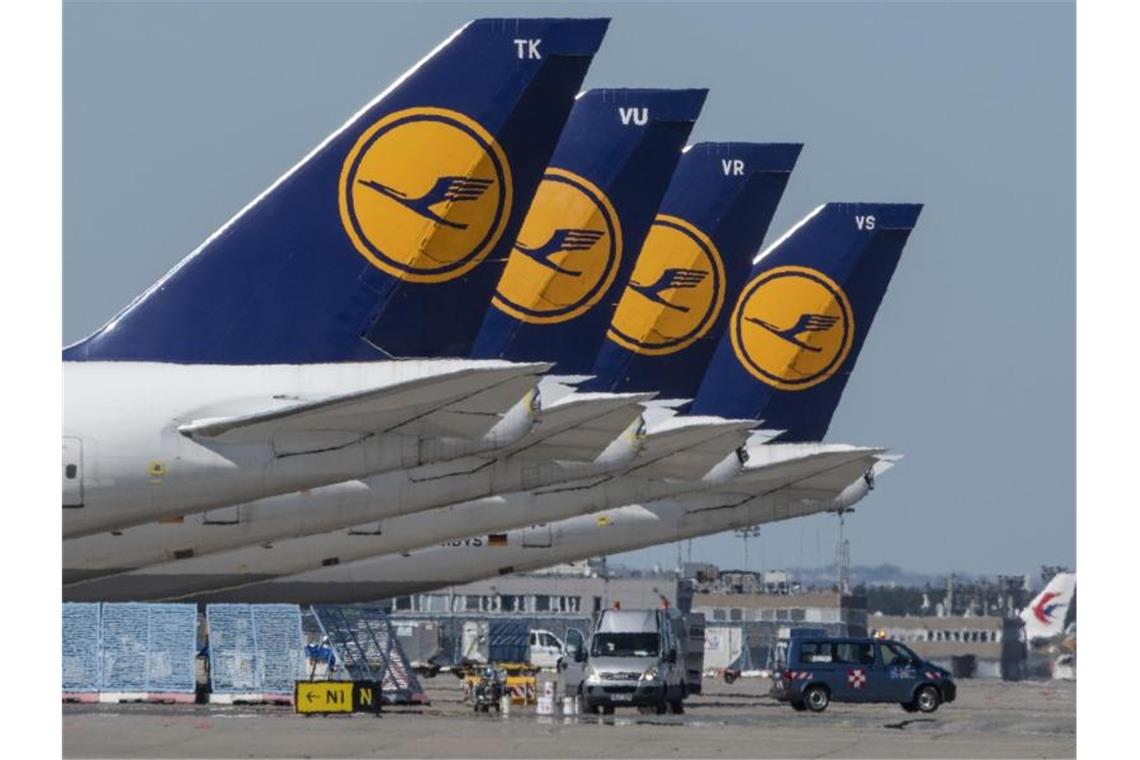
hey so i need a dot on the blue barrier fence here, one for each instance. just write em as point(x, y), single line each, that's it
point(281, 646)
point(132, 648)
point(81, 650)
point(148, 647)
point(255, 648)
point(172, 653)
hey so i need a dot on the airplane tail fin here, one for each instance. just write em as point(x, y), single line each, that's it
point(371, 245)
point(798, 325)
point(592, 211)
point(692, 265)
point(1045, 615)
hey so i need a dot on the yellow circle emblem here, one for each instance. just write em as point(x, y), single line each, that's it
point(675, 292)
point(425, 194)
point(567, 254)
point(792, 327)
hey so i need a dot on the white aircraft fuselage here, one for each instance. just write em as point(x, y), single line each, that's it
point(256, 563)
point(621, 529)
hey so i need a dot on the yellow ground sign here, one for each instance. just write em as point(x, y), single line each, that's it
point(323, 697)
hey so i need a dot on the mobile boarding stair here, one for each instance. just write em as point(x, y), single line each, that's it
point(366, 646)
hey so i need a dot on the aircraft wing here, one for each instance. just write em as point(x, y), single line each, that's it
point(460, 402)
point(473, 416)
point(586, 440)
point(808, 471)
point(687, 447)
point(581, 425)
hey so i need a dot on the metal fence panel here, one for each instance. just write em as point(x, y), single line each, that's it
point(125, 634)
point(232, 648)
point(172, 648)
point(279, 646)
point(255, 648)
point(81, 649)
point(148, 647)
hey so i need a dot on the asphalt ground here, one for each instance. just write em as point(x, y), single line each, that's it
point(990, 718)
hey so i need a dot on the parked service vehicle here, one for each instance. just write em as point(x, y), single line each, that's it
point(819, 670)
point(499, 641)
point(494, 641)
point(635, 658)
point(546, 649)
point(422, 643)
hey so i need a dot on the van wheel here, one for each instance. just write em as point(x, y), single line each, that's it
point(797, 705)
point(927, 699)
point(677, 707)
point(607, 709)
point(908, 706)
point(816, 698)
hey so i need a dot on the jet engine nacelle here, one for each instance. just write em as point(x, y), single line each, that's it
point(727, 468)
point(625, 448)
point(516, 423)
point(854, 492)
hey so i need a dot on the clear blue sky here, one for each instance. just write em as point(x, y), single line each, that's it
point(175, 116)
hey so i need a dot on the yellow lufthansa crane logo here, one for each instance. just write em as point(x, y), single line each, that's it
point(425, 194)
point(675, 292)
point(792, 327)
point(567, 254)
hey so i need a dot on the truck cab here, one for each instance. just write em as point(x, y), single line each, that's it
point(634, 658)
point(818, 670)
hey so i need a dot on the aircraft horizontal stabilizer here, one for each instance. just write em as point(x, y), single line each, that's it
point(389, 408)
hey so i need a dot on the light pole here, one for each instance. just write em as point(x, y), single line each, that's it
point(843, 555)
point(745, 533)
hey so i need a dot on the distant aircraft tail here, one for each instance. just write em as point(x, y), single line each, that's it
point(589, 218)
point(1045, 615)
point(692, 266)
point(372, 244)
point(799, 323)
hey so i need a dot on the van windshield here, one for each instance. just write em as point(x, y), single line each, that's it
point(624, 645)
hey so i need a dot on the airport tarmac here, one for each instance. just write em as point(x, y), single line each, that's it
point(989, 719)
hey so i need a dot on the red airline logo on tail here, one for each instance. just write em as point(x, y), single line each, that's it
point(1043, 611)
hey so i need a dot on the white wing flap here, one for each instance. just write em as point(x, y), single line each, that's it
point(829, 484)
point(579, 411)
point(378, 409)
point(819, 474)
point(586, 442)
point(689, 452)
point(472, 417)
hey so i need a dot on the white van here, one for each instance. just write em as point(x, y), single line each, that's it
point(546, 649)
point(634, 657)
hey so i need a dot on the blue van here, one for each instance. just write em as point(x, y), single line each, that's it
point(817, 670)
